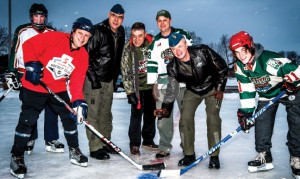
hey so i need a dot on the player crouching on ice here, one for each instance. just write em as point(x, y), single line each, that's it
point(266, 73)
point(53, 58)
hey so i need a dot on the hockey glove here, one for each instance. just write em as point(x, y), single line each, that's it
point(243, 118)
point(167, 55)
point(290, 88)
point(165, 111)
point(81, 109)
point(12, 81)
point(161, 113)
point(132, 99)
point(34, 72)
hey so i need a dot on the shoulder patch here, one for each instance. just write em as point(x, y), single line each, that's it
point(275, 63)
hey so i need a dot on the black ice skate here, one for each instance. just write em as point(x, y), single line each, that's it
point(77, 157)
point(55, 146)
point(214, 162)
point(295, 165)
point(187, 160)
point(17, 166)
point(29, 146)
point(262, 162)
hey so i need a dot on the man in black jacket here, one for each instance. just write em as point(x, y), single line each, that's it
point(205, 75)
point(105, 51)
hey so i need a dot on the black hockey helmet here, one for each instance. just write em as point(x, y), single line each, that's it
point(38, 9)
point(84, 24)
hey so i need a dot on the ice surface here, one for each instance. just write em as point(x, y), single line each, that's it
point(233, 157)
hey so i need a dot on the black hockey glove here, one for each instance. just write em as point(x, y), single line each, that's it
point(12, 81)
point(290, 88)
point(243, 119)
point(34, 72)
point(132, 99)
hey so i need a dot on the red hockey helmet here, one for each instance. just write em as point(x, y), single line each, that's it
point(239, 40)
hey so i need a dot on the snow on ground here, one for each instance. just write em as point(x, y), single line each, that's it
point(234, 155)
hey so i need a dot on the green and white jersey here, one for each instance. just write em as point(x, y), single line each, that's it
point(157, 66)
point(264, 77)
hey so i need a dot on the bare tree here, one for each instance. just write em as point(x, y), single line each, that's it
point(223, 49)
point(3, 41)
point(196, 40)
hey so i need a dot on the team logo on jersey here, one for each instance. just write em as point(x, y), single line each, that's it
point(261, 83)
point(273, 62)
point(61, 67)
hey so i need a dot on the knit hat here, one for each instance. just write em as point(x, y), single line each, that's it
point(118, 9)
point(164, 13)
point(174, 39)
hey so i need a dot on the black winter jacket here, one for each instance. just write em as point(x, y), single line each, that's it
point(105, 52)
point(209, 70)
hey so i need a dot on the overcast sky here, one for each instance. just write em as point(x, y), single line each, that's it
point(273, 23)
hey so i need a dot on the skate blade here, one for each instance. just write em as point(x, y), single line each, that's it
point(264, 167)
point(50, 149)
point(296, 176)
point(73, 161)
point(17, 175)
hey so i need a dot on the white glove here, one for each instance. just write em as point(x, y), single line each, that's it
point(12, 81)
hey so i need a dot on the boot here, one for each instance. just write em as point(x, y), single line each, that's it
point(187, 160)
point(100, 154)
point(214, 162)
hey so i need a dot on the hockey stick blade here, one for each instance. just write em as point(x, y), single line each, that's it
point(173, 173)
point(156, 166)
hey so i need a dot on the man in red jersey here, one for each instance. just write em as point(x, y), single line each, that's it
point(53, 58)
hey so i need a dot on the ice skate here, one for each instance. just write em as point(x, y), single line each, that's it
point(295, 165)
point(262, 162)
point(55, 146)
point(17, 166)
point(29, 146)
point(77, 158)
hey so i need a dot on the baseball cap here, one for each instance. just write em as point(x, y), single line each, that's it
point(174, 39)
point(118, 9)
point(164, 13)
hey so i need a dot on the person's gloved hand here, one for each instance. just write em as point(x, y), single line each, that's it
point(81, 109)
point(34, 72)
point(161, 113)
point(243, 119)
point(132, 99)
point(12, 81)
point(290, 88)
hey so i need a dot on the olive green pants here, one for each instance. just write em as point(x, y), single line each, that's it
point(191, 101)
point(99, 113)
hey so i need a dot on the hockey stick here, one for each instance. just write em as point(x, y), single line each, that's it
point(136, 78)
point(178, 172)
point(6, 93)
point(156, 166)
